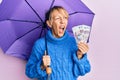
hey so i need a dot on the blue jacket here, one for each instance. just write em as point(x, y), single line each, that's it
point(64, 62)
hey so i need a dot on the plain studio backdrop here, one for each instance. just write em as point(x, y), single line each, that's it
point(104, 46)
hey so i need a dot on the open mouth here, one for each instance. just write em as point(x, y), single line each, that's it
point(62, 29)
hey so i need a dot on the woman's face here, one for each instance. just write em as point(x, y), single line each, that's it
point(58, 23)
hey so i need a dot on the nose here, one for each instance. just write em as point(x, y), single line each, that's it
point(62, 20)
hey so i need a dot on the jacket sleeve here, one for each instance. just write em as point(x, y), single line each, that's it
point(81, 66)
point(33, 69)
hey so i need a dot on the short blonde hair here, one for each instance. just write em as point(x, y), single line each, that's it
point(58, 8)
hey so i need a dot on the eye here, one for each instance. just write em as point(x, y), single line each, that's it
point(57, 18)
point(65, 17)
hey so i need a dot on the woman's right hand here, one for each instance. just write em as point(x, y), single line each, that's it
point(46, 60)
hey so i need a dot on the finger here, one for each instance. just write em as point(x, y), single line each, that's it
point(82, 43)
point(84, 46)
point(46, 57)
point(83, 49)
point(48, 60)
point(48, 63)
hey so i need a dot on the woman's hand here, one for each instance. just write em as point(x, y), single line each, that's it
point(46, 60)
point(82, 49)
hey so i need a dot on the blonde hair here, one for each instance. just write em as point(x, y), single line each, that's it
point(58, 8)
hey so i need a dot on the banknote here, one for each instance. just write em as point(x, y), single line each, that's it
point(81, 33)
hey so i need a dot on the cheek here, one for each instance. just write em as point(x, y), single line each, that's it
point(66, 22)
point(56, 25)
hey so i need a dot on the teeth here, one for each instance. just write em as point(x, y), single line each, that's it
point(62, 27)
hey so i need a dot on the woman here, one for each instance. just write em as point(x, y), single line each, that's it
point(67, 59)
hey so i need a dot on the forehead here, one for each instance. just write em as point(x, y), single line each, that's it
point(58, 12)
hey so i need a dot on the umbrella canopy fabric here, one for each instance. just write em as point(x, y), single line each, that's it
point(23, 21)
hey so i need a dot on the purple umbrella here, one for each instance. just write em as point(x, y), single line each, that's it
point(22, 22)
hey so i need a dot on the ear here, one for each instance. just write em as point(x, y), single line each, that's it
point(48, 23)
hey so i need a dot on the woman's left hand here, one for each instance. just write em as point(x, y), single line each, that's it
point(83, 47)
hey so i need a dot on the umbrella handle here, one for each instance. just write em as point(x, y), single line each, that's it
point(48, 70)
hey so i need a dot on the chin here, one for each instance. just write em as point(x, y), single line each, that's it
point(61, 35)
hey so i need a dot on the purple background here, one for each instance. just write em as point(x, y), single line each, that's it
point(104, 46)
